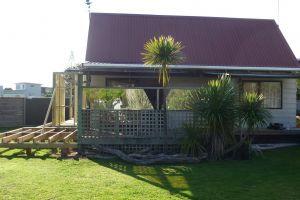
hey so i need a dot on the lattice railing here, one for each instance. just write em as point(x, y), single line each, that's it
point(107, 125)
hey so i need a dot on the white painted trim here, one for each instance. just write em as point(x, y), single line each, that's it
point(128, 66)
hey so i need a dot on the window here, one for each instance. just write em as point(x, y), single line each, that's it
point(270, 90)
point(251, 87)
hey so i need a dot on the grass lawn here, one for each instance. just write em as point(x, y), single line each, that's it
point(275, 175)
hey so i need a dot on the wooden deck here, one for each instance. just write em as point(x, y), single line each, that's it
point(37, 138)
point(268, 136)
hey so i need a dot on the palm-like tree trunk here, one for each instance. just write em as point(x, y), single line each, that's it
point(164, 79)
point(165, 118)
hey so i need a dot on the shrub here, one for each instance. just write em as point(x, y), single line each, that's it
point(195, 142)
point(215, 112)
point(252, 112)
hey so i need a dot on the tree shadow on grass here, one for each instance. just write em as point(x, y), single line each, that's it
point(3, 151)
point(42, 154)
point(173, 178)
point(20, 153)
point(226, 179)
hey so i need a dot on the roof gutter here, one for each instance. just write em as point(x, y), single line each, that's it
point(129, 66)
point(245, 75)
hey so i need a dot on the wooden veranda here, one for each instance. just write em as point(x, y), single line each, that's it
point(134, 130)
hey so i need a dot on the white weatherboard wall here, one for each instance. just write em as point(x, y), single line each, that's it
point(287, 115)
point(29, 89)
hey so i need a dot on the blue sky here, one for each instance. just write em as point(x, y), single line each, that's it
point(37, 36)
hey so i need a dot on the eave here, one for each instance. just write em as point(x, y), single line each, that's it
point(110, 66)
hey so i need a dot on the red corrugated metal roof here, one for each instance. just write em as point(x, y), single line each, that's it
point(211, 41)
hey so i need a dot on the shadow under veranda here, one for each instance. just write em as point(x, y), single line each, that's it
point(174, 178)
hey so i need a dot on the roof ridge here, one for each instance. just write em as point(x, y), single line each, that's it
point(182, 16)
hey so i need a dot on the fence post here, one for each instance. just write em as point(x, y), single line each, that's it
point(24, 111)
point(79, 111)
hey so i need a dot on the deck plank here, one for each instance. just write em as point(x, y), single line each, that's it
point(28, 136)
point(14, 136)
point(10, 132)
point(70, 136)
point(57, 136)
point(43, 136)
point(27, 145)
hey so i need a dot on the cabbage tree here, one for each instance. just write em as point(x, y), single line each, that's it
point(215, 110)
point(162, 52)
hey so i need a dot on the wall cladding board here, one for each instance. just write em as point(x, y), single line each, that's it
point(286, 115)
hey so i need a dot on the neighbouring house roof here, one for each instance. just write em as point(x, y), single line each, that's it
point(208, 41)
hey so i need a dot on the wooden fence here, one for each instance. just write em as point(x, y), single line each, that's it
point(12, 111)
point(18, 111)
point(132, 127)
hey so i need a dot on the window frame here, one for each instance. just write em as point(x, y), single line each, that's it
point(259, 90)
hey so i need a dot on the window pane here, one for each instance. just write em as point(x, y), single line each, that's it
point(250, 87)
point(272, 94)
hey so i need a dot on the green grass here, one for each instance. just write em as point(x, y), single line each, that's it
point(275, 175)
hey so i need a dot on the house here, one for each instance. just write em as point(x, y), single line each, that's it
point(30, 89)
point(253, 51)
point(24, 89)
point(46, 91)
